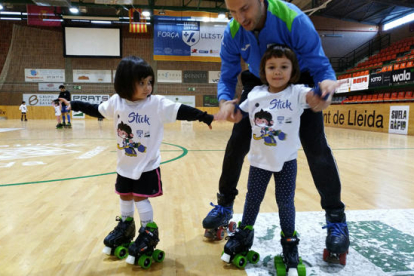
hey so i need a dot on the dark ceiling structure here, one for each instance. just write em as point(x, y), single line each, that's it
point(373, 12)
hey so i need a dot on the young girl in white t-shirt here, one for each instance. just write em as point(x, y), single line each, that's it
point(139, 119)
point(274, 110)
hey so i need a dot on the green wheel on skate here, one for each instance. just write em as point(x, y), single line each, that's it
point(280, 266)
point(121, 252)
point(144, 261)
point(240, 261)
point(158, 255)
point(253, 257)
point(301, 269)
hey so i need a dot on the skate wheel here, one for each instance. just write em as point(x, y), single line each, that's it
point(325, 255)
point(232, 227)
point(220, 234)
point(121, 252)
point(208, 234)
point(253, 257)
point(240, 261)
point(144, 261)
point(280, 266)
point(301, 270)
point(158, 255)
point(342, 258)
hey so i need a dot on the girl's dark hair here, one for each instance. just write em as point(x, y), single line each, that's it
point(130, 71)
point(279, 51)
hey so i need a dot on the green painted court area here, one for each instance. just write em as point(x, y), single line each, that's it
point(382, 243)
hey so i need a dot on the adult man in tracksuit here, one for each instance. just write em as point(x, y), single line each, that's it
point(257, 24)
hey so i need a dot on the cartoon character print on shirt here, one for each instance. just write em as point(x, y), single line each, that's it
point(263, 119)
point(125, 132)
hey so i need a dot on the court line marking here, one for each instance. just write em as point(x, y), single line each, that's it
point(184, 153)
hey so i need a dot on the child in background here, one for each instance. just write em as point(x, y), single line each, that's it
point(139, 119)
point(23, 109)
point(56, 105)
point(274, 110)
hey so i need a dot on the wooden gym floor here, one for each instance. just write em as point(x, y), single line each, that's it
point(57, 201)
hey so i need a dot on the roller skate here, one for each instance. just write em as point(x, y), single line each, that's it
point(142, 251)
point(217, 222)
point(118, 240)
point(337, 240)
point(237, 249)
point(59, 126)
point(68, 125)
point(289, 263)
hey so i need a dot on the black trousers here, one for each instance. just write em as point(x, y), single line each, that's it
point(312, 136)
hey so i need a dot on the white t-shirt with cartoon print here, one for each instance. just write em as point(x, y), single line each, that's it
point(139, 127)
point(275, 121)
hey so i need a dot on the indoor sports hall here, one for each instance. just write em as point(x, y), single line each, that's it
point(57, 198)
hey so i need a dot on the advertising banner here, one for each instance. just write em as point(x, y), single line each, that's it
point(360, 83)
point(49, 86)
point(399, 119)
point(92, 76)
point(171, 76)
point(345, 87)
point(214, 76)
point(210, 101)
point(186, 39)
point(44, 75)
point(195, 76)
point(188, 100)
point(402, 76)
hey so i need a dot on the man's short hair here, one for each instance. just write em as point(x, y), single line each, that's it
point(61, 86)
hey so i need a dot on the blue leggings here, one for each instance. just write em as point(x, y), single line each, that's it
point(285, 183)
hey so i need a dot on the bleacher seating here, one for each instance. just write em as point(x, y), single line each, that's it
point(399, 55)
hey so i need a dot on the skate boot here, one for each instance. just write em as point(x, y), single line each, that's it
point(337, 240)
point(142, 251)
point(69, 125)
point(217, 221)
point(237, 249)
point(118, 240)
point(289, 262)
point(59, 126)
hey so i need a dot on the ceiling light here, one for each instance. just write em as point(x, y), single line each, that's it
point(100, 22)
point(1, 6)
point(11, 13)
point(73, 10)
point(146, 13)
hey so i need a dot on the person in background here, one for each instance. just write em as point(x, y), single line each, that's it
point(23, 109)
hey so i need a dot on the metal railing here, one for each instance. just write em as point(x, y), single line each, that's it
point(350, 60)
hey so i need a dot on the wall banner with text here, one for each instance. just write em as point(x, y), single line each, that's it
point(399, 119)
point(183, 39)
point(44, 75)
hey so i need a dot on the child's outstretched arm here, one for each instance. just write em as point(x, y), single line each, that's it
point(189, 113)
point(85, 107)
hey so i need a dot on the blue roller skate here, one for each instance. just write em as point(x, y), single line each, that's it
point(337, 240)
point(217, 222)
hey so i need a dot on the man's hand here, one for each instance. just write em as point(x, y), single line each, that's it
point(327, 87)
point(227, 111)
